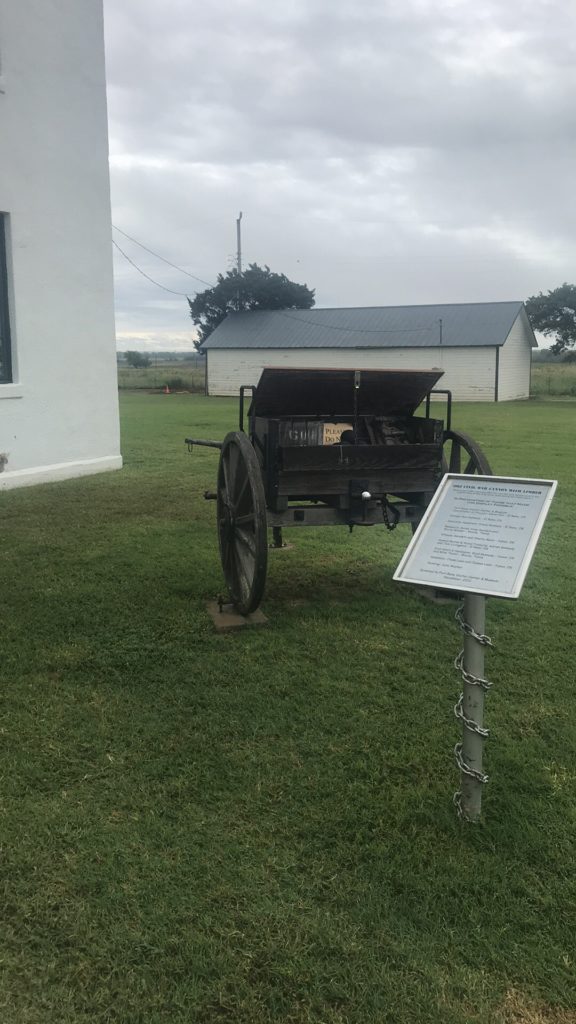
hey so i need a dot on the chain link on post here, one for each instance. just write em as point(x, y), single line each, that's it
point(469, 708)
point(468, 629)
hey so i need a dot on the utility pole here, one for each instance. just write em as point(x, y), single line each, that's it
point(239, 257)
point(239, 244)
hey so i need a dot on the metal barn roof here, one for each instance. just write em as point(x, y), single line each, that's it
point(462, 324)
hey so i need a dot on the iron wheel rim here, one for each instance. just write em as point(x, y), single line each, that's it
point(242, 527)
point(462, 454)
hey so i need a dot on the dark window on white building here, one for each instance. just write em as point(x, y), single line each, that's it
point(5, 345)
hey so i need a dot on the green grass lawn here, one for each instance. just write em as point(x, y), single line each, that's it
point(258, 827)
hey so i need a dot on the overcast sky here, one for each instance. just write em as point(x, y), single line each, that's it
point(381, 152)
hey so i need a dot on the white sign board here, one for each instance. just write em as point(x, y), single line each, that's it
point(478, 535)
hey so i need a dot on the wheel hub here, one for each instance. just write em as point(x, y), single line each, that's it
point(230, 522)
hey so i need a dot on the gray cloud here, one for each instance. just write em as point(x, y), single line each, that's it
point(381, 152)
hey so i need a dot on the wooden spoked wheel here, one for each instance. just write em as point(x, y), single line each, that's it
point(242, 532)
point(461, 454)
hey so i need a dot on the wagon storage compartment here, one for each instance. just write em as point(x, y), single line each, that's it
point(373, 430)
point(320, 470)
point(320, 433)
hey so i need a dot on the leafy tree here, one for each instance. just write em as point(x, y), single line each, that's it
point(137, 359)
point(554, 315)
point(256, 288)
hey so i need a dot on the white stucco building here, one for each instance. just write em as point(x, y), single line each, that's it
point(484, 348)
point(58, 387)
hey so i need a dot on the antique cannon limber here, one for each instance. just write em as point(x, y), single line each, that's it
point(328, 447)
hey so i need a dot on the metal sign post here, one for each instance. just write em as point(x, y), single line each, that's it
point(470, 707)
point(476, 538)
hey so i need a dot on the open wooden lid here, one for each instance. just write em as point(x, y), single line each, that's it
point(312, 393)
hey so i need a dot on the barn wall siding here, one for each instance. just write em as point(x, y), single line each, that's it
point(515, 357)
point(468, 372)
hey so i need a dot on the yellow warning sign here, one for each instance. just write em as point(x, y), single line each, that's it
point(333, 432)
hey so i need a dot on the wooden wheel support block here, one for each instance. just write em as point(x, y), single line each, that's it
point(229, 619)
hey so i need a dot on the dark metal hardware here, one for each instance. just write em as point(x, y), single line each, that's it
point(441, 391)
point(191, 441)
point(243, 390)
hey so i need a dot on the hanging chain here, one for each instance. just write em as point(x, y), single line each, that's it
point(468, 723)
point(387, 508)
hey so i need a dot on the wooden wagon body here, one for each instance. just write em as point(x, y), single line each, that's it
point(328, 447)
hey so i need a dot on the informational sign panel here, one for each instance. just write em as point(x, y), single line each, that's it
point(478, 535)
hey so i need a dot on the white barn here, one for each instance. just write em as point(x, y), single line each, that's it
point(484, 348)
point(58, 384)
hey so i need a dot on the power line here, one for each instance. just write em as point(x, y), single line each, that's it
point(302, 320)
point(147, 276)
point(163, 258)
